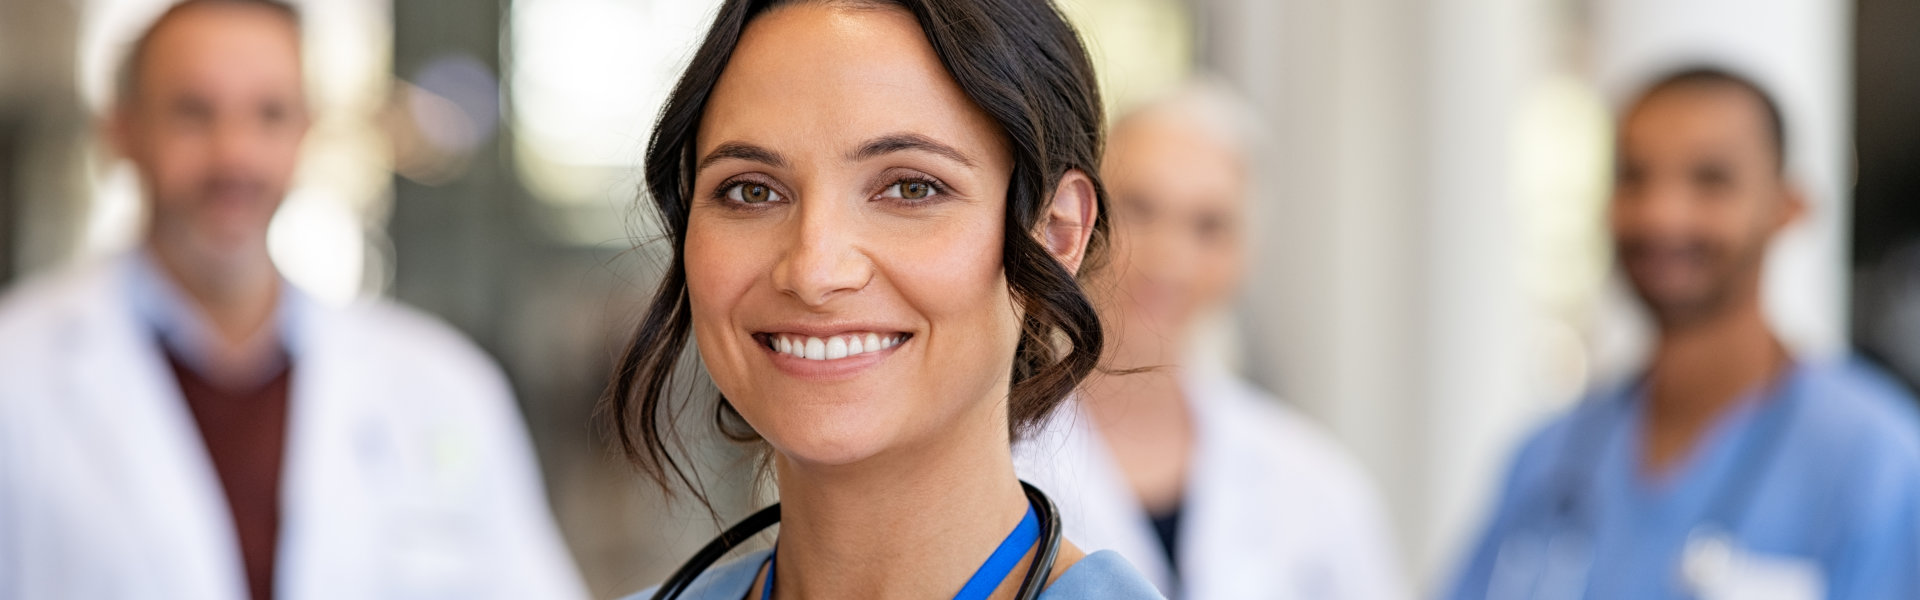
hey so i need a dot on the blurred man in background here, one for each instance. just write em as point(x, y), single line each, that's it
point(1214, 489)
point(181, 423)
point(1730, 468)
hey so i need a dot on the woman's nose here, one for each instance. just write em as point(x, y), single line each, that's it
point(825, 257)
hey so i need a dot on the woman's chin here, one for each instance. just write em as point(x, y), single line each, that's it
point(818, 456)
point(831, 446)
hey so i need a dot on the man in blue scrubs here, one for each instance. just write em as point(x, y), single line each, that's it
point(1729, 468)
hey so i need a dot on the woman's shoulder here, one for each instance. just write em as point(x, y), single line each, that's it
point(1262, 434)
point(1104, 575)
point(728, 581)
point(1248, 415)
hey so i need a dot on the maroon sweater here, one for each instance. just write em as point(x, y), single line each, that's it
point(245, 432)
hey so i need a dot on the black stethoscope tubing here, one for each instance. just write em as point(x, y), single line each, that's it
point(1030, 586)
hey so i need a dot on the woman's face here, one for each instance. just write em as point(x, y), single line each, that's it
point(843, 250)
point(1180, 198)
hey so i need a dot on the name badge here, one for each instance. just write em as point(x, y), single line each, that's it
point(1715, 568)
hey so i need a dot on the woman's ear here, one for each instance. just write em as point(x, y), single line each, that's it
point(1070, 217)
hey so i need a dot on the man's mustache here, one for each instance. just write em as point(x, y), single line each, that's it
point(1631, 249)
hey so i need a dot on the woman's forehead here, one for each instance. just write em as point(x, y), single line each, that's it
point(813, 79)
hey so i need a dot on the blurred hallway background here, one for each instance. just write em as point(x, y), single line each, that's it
point(1430, 280)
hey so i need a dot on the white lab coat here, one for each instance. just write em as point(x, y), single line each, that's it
point(1273, 507)
point(407, 474)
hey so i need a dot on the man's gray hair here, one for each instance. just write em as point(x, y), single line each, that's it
point(1214, 108)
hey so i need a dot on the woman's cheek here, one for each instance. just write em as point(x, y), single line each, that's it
point(958, 280)
point(952, 255)
point(718, 277)
point(705, 274)
point(722, 259)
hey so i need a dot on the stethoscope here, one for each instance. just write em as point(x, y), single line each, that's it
point(1030, 586)
point(1708, 544)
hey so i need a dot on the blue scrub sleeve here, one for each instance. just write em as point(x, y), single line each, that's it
point(1880, 557)
point(1531, 463)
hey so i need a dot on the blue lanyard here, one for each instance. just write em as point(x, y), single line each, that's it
point(987, 577)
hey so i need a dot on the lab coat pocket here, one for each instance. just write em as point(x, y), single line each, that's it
point(429, 521)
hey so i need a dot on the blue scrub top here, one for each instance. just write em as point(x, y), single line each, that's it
point(1103, 575)
point(1838, 494)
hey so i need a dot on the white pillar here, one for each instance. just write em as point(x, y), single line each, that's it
point(1384, 299)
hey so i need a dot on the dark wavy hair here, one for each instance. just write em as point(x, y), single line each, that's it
point(1022, 63)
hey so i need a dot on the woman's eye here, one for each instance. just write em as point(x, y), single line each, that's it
point(752, 193)
point(909, 190)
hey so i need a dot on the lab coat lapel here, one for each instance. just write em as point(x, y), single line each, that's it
point(147, 440)
point(1213, 556)
point(1111, 513)
point(326, 506)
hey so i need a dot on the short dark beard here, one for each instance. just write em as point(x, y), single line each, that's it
point(1725, 292)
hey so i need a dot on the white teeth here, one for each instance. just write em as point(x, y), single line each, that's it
point(832, 348)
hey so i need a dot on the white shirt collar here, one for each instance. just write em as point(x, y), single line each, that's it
point(185, 331)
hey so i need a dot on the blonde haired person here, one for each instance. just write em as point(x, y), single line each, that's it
point(1216, 490)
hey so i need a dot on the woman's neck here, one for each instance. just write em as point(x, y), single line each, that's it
point(1148, 428)
point(913, 523)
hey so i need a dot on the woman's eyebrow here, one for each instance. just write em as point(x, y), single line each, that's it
point(742, 151)
point(902, 142)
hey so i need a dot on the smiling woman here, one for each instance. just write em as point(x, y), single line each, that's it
point(877, 212)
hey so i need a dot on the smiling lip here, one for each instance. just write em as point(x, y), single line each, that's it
point(829, 356)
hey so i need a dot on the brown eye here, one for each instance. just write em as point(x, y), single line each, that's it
point(909, 190)
point(751, 193)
